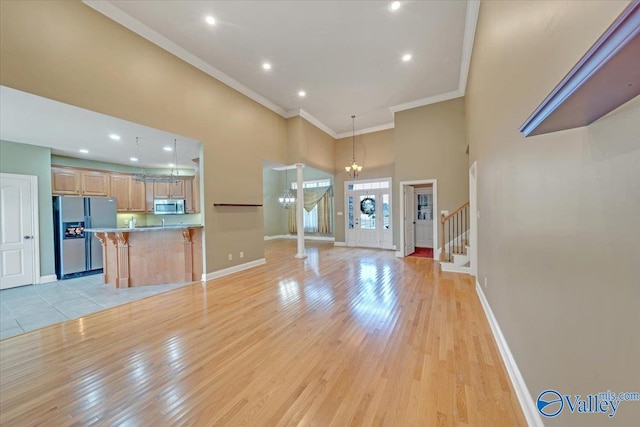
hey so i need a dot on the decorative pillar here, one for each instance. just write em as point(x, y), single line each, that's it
point(123, 260)
point(188, 254)
point(299, 213)
point(103, 241)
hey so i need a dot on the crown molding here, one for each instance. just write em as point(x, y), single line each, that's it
point(109, 10)
point(473, 10)
point(106, 8)
point(367, 130)
point(426, 101)
point(317, 123)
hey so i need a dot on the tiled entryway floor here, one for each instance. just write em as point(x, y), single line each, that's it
point(31, 307)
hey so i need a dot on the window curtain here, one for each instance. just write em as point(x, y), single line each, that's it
point(320, 220)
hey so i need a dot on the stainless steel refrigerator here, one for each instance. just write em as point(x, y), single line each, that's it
point(79, 253)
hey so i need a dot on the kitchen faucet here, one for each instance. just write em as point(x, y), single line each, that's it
point(162, 222)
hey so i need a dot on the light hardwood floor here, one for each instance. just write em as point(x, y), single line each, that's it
point(345, 337)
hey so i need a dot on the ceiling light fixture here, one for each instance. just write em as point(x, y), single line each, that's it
point(114, 137)
point(394, 5)
point(406, 57)
point(302, 94)
point(354, 168)
point(167, 148)
point(210, 20)
point(266, 66)
point(84, 151)
point(133, 159)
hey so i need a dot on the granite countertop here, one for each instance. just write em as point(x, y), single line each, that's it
point(144, 228)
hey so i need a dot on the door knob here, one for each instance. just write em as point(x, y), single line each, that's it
point(28, 237)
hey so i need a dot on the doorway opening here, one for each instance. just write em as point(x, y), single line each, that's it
point(418, 207)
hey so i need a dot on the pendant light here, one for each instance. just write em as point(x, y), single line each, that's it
point(354, 168)
point(287, 199)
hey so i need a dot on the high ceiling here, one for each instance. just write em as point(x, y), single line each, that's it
point(66, 129)
point(346, 55)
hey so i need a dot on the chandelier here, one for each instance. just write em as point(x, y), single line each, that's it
point(287, 199)
point(354, 168)
point(141, 175)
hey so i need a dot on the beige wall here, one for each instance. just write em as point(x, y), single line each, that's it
point(558, 227)
point(374, 151)
point(66, 51)
point(308, 144)
point(430, 143)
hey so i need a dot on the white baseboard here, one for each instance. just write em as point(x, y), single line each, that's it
point(522, 392)
point(48, 279)
point(339, 244)
point(235, 269)
point(291, 237)
point(273, 237)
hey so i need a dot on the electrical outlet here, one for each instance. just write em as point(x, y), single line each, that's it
point(230, 257)
point(241, 254)
point(485, 282)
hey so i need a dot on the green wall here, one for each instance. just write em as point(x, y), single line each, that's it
point(26, 159)
point(93, 164)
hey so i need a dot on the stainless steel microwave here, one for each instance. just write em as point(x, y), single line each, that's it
point(168, 206)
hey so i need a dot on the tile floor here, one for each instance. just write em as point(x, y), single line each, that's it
point(31, 307)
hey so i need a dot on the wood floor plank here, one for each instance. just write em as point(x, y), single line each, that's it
point(346, 337)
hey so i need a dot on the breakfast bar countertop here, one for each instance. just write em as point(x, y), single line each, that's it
point(144, 228)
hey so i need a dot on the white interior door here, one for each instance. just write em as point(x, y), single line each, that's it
point(409, 221)
point(424, 217)
point(17, 244)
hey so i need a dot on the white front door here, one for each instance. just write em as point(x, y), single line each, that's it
point(409, 222)
point(17, 244)
point(368, 222)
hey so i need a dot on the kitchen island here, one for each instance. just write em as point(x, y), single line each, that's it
point(151, 255)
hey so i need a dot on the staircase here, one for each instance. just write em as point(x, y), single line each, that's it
point(454, 249)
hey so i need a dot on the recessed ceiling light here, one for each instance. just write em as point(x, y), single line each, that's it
point(171, 165)
point(167, 148)
point(114, 137)
point(406, 57)
point(266, 66)
point(133, 159)
point(302, 94)
point(394, 5)
point(84, 151)
point(210, 20)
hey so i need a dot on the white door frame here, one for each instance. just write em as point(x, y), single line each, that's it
point(35, 220)
point(436, 217)
point(473, 218)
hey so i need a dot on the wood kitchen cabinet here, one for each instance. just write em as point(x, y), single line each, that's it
point(130, 194)
point(65, 181)
point(166, 190)
point(138, 196)
point(94, 183)
point(79, 182)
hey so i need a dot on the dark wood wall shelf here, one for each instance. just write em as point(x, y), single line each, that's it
point(606, 77)
point(235, 204)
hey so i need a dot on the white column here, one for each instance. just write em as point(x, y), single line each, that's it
point(299, 213)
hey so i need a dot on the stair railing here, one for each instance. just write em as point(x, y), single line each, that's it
point(454, 235)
